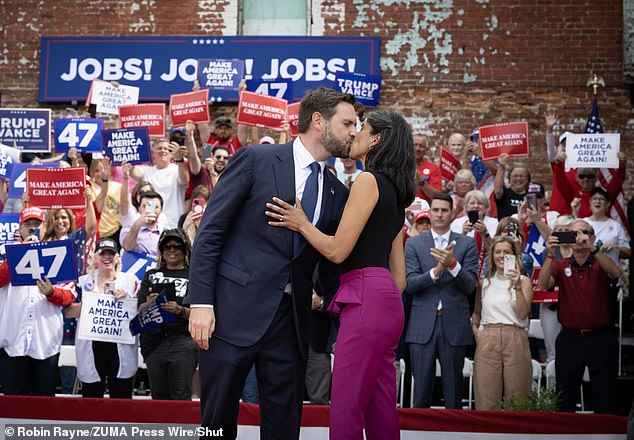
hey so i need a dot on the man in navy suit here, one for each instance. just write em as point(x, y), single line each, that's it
point(250, 284)
point(441, 273)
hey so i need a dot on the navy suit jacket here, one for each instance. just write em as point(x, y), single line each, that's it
point(452, 291)
point(240, 264)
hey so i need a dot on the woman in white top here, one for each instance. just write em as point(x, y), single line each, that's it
point(100, 362)
point(502, 364)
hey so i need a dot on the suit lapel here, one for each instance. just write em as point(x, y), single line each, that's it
point(284, 177)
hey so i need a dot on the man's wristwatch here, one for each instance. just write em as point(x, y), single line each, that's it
point(597, 247)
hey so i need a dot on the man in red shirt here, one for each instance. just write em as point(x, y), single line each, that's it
point(223, 135)
point(587, 338)
point(429, 171)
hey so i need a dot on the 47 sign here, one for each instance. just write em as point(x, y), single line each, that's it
point(81, 133)
point(34, 261)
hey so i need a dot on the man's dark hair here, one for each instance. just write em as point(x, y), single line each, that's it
point(444, 197)
point(150, 195)
point(322, 100)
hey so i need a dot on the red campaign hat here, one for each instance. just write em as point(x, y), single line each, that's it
point(424, 213)
point(31, 212)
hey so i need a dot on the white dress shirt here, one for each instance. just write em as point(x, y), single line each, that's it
point(303, 159)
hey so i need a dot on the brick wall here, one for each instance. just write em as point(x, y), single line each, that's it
point(448, 65)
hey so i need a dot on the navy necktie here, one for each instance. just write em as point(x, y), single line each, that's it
point(309, 198)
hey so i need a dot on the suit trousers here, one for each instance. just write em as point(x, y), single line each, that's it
point(280, 371)
point(502, 365)
point(451, 359)
point(364, 377)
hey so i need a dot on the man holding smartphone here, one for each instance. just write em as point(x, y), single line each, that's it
point(142, 235)
point(587, 337)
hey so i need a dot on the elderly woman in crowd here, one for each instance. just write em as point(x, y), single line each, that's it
point(169, 351)
point(476, 223)
point(509, 198)
point(101, 362)
point(463, 182)
point(502, 363)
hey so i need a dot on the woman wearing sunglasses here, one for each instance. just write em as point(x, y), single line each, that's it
point(169, 352)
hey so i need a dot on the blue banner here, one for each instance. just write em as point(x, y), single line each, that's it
point(80, 133)
point(152, 316)
point(280, 88)
point(535, 246)
point(9, 223)
point(215, 74)
point(8, 158)
point(30, 262)
point(17, 184)
point(162, 66)
point(365, 88)
point(135, 263)
point(130, 145)
point(26, 128)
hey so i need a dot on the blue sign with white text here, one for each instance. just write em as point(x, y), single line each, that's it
point(161, 66)
point(220, 74)
point(30, 262)
point(130, 145)
point(17, 184)
point(152, 316)
point(280, 88)
point(28, 129)
point(9, 223)
point(365, 88)
point(80, 133)
point(8, 158)
point(135, 263)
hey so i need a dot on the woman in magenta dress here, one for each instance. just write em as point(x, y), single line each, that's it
point(368, 246)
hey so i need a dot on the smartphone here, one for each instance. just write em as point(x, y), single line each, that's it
point(509, 264)
point(108, 288)
point(205, 152)
point(149, 206)
point(531, 201)
point(177, 139)
point(511, 228)
point(474, 216)
point(167, 289)
point(35, 232)
point(566, 237)
point(198, 204)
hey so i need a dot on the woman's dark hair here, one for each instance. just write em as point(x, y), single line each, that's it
point(393, 156)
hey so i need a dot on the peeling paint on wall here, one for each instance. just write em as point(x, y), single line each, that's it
point(426, 47)
point(146, 22)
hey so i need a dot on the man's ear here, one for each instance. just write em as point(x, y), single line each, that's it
point(318, 120)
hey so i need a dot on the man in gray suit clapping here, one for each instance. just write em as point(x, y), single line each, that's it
point(441, 272)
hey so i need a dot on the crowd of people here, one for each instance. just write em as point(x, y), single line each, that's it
point(269, 229)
